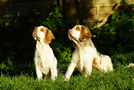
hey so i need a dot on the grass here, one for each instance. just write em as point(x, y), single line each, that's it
point(120, 79)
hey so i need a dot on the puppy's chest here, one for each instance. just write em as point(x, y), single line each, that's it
point(43, 59)
point(86, 54)
point(44, 54)
point(86, 51)
point(43, 50)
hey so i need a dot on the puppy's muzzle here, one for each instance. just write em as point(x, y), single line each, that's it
point(36, 37)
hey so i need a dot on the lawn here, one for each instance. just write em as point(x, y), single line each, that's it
point(120, 79)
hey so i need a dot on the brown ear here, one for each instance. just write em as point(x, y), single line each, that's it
point(85, 33)
point(49, 37)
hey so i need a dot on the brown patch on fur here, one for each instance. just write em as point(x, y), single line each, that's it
point(85, 33)
point(96, 64)
point(94, 61)
point(43, 29)
point(78, 28)
point(90, 44)
point(48, 37)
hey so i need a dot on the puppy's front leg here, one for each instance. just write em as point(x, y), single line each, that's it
point(70, 71)
point(88, 70)
point(73, 64)
point(38, 73)
point(37, 67)
point(54, 72)
point(88, 66)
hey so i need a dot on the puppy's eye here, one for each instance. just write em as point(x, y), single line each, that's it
point(41, 29)
point(78, 28)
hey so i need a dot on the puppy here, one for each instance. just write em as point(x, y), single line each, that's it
point(85, 55)
point(44, 58)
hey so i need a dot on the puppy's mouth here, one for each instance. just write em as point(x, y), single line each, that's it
point(36, 37)
point(75, 40)
point(72, 38)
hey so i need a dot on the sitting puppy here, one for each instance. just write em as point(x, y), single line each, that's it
point(45, 61)
point(85, 55)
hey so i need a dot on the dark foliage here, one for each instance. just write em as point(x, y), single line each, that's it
point(17, 45)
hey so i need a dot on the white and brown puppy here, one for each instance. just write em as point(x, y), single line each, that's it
point(85, 55)
point(45, 60)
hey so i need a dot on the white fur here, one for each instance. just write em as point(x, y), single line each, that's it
point(84, 55)
point(75, 32)
point(45, 61)
point(103, 63)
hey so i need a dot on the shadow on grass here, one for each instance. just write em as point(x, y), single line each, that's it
point(17, 69)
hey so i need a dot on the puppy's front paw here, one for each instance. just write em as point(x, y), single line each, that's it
point(66, 79)
point(39, 79)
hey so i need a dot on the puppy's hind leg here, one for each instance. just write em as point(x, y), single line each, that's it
point(96, 64)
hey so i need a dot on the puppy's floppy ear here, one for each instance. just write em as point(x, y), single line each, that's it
point(48, 37)
point(85, 33)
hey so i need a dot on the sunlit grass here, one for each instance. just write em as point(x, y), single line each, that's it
point(121, 78)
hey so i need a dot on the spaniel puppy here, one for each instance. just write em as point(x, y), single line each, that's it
point(45, 61)
point(85, 55)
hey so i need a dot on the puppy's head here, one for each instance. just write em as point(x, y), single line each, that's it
point(42, 33)
point(79, 33)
